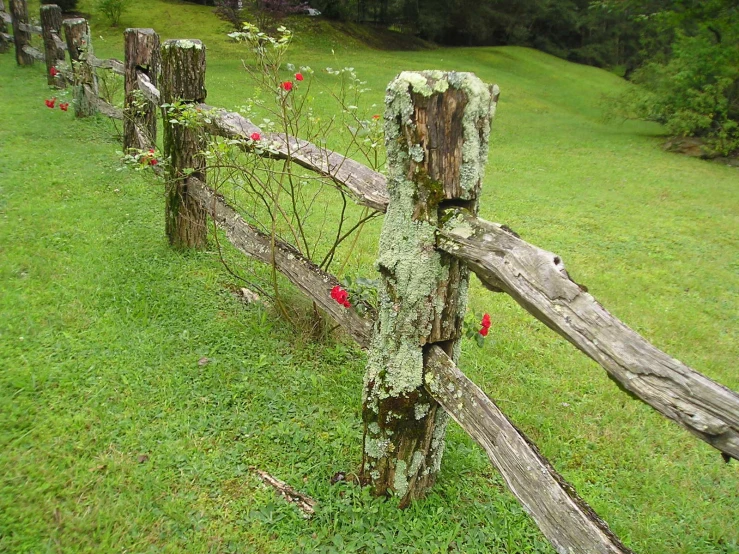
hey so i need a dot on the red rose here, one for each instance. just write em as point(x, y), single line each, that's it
point(335, 291)
point(342, 296)
point(347, 304)
point(255, 136)
point(63, 106)
point(50, 103)
point(53, 71)
point(298, 76)
point(485, 321)
point(287, 86)
point(153, 161)
point(484, 331)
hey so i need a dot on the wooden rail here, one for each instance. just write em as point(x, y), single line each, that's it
point(538, 281)
point(116, 66)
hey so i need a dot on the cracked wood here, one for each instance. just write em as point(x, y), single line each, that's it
point(537, 280)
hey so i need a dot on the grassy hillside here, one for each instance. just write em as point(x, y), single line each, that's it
point(114, 438)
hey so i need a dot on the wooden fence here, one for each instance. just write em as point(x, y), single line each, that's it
point(436, 128)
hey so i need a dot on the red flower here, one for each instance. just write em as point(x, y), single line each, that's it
point(298, 76)
point(53, 71)
point(153, 161)
point(485, 321)
point(376, 117)
point(64, 106)
point(341, 296)
point(287, 86)
point(50, 103)
point(151, 150)
point(255, 136)
point(484, 331)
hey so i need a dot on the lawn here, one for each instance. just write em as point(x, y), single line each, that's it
point(114, 438)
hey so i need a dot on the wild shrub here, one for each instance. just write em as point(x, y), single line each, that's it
point(112, 10)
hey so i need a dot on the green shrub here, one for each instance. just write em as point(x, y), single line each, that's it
point(695, 93)
point(112, 10)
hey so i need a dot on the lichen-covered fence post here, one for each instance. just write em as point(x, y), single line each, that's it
point(79, 45)
point(19, 13)
point(51, 28)
point(437, 127)
point(139, 115)
point(182, 87)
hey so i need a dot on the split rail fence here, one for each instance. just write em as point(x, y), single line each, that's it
point(437, 127)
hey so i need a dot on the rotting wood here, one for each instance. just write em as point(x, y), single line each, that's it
point(570, 525)
point(436, 133)
point(51, 23)
point(141, 62)
point(183, 83)
point(366, 186)
point(538, 281)
point(79, 48)
point(304, 502)
point(35, 53)
point(315, 283)
point(32, 29)
point(102, 106)
point(59, 43)
point(21, 38)
point(116, 66)
point(147, 88)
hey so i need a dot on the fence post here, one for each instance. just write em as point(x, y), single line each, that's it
point(51, 27)
point(142, 54)
point(183, 82)
point(436, 127)
point(4, 43)
point(77, 34)
point(19, 13)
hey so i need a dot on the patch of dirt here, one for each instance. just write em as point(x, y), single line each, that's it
point(695, 147)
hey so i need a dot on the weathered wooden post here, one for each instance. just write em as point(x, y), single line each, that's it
point(51, 28)
point(21, 36)
point(139, 115)
point(79, 45)
point(183, 81)
point(437, 127)
point(4, 42)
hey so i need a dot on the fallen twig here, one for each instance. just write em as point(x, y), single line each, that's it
point(306, 504)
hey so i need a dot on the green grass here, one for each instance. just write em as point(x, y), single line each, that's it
point(114, 438)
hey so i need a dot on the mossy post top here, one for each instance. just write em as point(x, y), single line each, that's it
point(430, 104)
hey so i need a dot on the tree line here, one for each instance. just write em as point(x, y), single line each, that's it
point(683, 53)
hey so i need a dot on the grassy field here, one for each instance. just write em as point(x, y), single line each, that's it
point(113, 438)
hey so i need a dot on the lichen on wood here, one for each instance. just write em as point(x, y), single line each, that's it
point(437, 127)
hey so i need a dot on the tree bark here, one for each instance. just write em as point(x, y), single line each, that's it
point(437, 128)
point(79, 46)
point(51, 25)
point(21, 37)
point(183, 82)
point(142, 57)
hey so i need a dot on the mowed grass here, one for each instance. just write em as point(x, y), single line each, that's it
point(114, 438)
